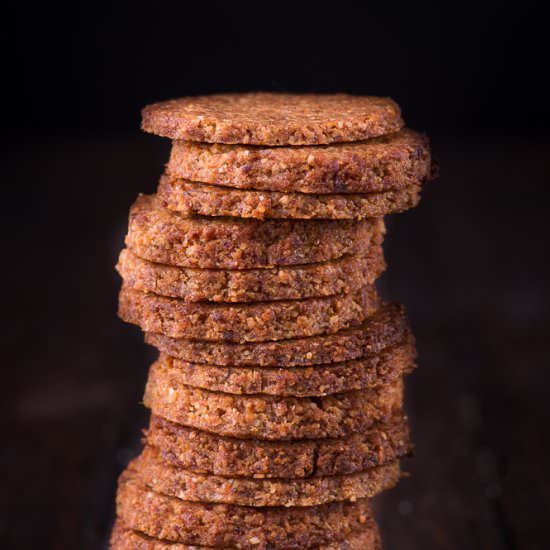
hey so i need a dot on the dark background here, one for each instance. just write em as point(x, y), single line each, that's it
point(470, 263)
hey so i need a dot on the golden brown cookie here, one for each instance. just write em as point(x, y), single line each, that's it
point(366, 538)
point(266, 416)
point(253, 285)
point(166, 479)
point(385, 327)
point(229, 525)
point(207, 453)
point(273, 118)
point(193, 198)
point(316, 380)
point(392, 162)
point(164, 236)
point(252, 322)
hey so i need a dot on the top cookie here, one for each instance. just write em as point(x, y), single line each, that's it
point(273, 119)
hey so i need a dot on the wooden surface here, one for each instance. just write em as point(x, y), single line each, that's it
point(470, 264)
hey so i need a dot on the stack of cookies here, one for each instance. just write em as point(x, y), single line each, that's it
point(277, 398)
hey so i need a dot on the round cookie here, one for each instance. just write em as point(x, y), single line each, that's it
point(187, 485)
point(317, 380)
point(366, 538)
point(229, 525)
point(164, 236)
point(394, 162)
point(385, 327)
point(252, 322)
point(207, 453)
point(253, 285)
point(266, 416)
point(273, 118)
point(193, 198)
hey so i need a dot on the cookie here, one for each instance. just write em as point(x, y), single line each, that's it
point(273, 118)
point(229, 525)
point(393, 162)
point(253, 285)
point(192, 198)
point(252, 322)
point(164, 236)
point(207, 453)
point(366, 538)
point(266, 416)
point(317, 380)
point(385, 327)
point(187, 485)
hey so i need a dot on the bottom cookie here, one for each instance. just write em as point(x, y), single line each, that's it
point(229, 525)
point(122, 538)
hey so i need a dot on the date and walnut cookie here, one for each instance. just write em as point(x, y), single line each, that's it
point(393, 162)
point(122, 538)
point(194, 198)
point(164, 236)
point(263, 118)
point(253, 285)
point(266, 416)
point(247, 322)
point(385, 327)
point(207, 453)
point(166, 479)
point(310, 381)
point(229, 525)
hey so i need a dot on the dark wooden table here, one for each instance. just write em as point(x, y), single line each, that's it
point(471, 264)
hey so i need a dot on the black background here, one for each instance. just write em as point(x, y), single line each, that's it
point(470, 263)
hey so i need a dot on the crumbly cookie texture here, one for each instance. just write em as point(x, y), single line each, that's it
point(192, 198)
point(229, 525)
point(207, 453)
point(166, 479)
point(385, 327)
point(253, 285)
point(396, 161)
point(164, 236)
point(252, 322)
point(317, 380)
point(266, 416)
point(122, 538)
point(273, 118)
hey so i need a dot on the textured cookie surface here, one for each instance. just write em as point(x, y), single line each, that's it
point(394, 162)
point(167, 479)
point(250, 322)
point(229, 525)
point(207, 453)
point(192, 198)
point(310, 381)
point(266, 416)
point(253, 285)
point(164, 236)
point(273, 119)
point(366, 538)
point(387, 326)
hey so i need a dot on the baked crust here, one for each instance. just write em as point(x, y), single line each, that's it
point(273, 118)
point(266, 416)
point(252, 285)
point(193, 198)
point(229, 525)
point(393, 162)
point(164, 236)
point(252, 322)
point(366, 538)
point(317, 380)
point(187, 485)
point(207, 453)
point(385, 327)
